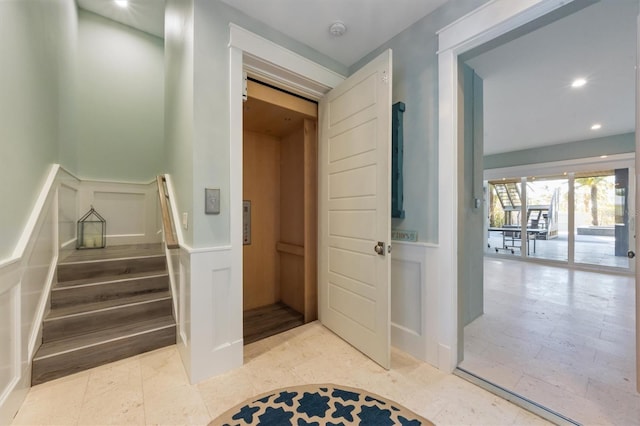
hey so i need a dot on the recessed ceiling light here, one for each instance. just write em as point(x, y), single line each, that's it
point(122, 3)
point(603, 156)
point(596, 126)
point(578, 82)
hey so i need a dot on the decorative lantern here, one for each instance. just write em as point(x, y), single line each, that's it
point(92, 231)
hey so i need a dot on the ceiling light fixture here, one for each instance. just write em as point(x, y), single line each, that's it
point(337, 29)
point(603, 156)
point(122, 3)
point(578, 82)
point(596, 126)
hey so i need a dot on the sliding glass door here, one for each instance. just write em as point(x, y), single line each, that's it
point(581, 218)
point(602, 218)
point(547, 217)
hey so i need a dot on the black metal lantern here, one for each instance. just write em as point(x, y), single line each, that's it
point(92, 231)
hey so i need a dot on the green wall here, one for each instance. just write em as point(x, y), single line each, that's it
point(119, 101)
point(36, 43)
point(209, 131)
point(178, 123)
point(609, 145)
point(415, 82)
point(470, 217)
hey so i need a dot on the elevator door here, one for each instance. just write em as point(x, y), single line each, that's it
point(355, 209)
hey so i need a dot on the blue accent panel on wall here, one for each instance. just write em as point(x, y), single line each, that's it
point(397, 196)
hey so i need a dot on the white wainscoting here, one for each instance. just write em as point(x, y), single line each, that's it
point(130, 210)
point(181, 265)
point(26, 277)
point(413, 291)
point(68, 209)
point(25, 281)
point(14, 384)
point(212, 316)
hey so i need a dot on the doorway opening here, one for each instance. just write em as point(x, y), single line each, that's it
point(279, 211)
point(546, 328)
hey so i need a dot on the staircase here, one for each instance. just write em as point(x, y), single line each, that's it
point(107, 304)
point(509, 195)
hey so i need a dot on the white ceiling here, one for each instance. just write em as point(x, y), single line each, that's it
point(528, 98)
point(369, 22)
point(145, 15)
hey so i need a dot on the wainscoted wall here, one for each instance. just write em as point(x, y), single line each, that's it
point(68, 208)
point(413, 292)
point(209, 313)
point(209, 305)
point(25, 280)
point(181, 286)
point(216, 313)
point(131, 211)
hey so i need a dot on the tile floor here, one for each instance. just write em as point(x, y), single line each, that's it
point(152, 388)
point(565, 339)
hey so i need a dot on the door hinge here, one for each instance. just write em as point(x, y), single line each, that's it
point(385, 77)
point(244, 86)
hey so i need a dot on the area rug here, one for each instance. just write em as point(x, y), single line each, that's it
point(316, 405)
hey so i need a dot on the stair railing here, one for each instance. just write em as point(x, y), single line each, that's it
point(170, 238)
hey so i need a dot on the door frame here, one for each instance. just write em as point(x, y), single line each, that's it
point(484, 24)
point(275, 65)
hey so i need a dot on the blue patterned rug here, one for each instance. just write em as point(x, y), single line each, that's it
point(317, 405)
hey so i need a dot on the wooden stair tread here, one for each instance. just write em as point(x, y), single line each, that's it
point(108, 279)
point(107, 304)
point(114, 259)
point(102, 336)
point(97, 306)
point(113, 252)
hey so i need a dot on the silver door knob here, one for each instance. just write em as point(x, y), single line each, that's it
point(379, 248)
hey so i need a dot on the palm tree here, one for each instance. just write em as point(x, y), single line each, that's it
point(592, 182)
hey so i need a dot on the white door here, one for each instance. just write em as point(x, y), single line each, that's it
point(354, 179)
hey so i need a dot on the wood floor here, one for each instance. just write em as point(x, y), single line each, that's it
point(268, 320)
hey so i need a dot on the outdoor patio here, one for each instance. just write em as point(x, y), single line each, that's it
point(589, 249)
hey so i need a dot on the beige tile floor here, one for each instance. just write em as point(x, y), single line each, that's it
point(152, 388)
point(565, 339)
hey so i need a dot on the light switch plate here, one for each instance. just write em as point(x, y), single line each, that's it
point(212, 201)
